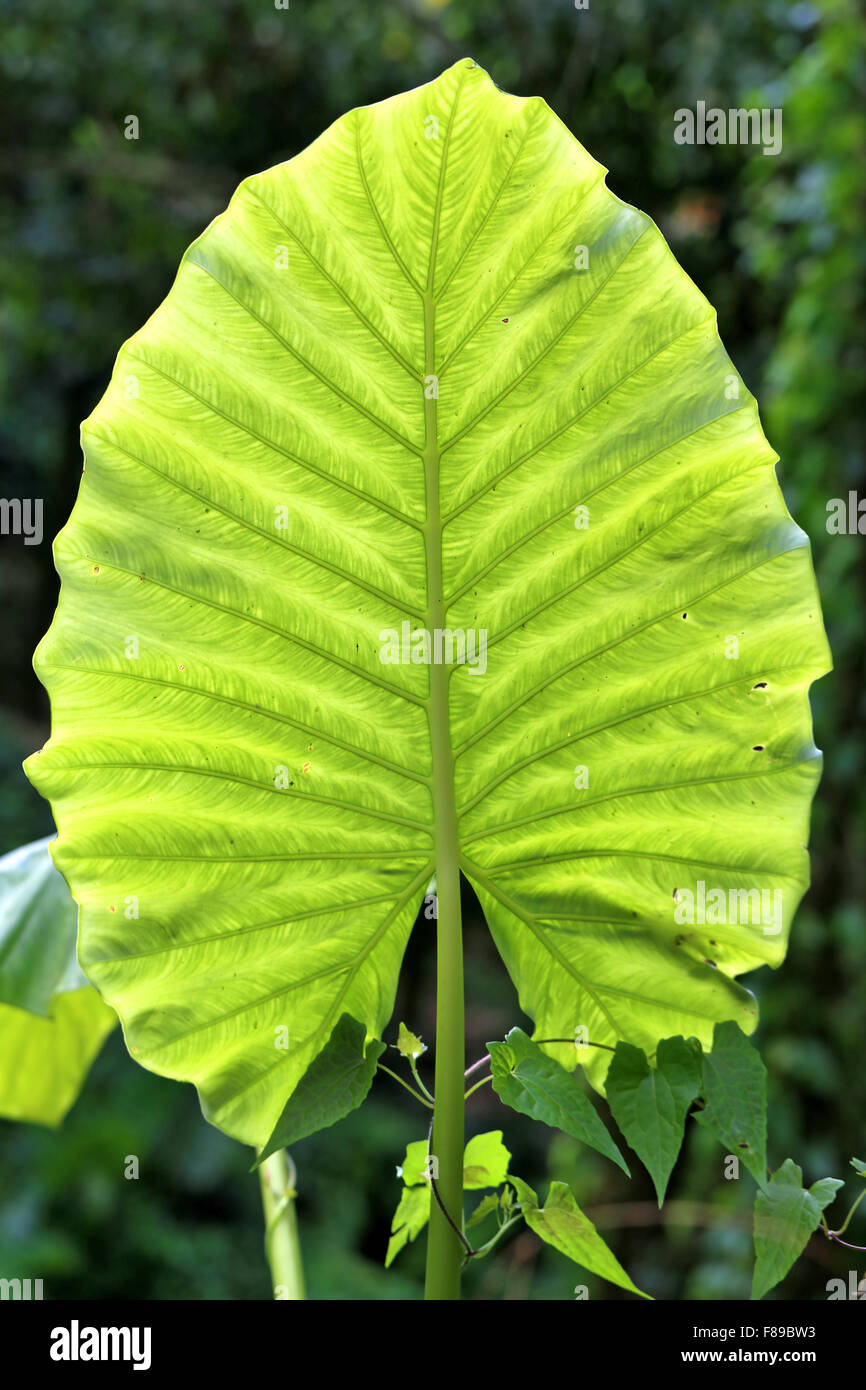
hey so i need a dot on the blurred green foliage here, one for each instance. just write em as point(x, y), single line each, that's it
point(92, 227)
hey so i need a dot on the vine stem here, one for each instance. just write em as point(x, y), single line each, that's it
point(472, 1089)
point(277, 1177)
point(406, 1086)
point(846, 1243)
point(844, 1225)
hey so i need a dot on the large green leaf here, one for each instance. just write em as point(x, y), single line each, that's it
point(52, 1023)
point(390, 387)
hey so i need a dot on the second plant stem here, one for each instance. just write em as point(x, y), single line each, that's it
point(282, 1245)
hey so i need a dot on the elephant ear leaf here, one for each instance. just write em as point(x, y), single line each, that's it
point(52, 1023)
point(427, 510)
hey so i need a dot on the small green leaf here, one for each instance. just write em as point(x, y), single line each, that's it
point(334, 1084)
point(408, 1043)
point(410, 1218)
point(859, 1166)
point(735, 1091)
point(414, 1169)
point(485, 1164)
point(526, 1195)
point(785, 1217)
point(529, 1081)
point(562, 1224)
point(825, 1189)
point(485, 1161)
point(484, 1208)
point(650, 1104)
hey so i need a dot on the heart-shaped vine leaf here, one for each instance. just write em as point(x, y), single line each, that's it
point(786, 1214)
point(735, 1091)
point(427, 511)
point(335, 1083)
point(52, 1023)
point(528, 1080)
point(562, 1224)
point(485, 1160)
point(650, 1104)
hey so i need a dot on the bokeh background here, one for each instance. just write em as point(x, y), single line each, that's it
point(92, 227)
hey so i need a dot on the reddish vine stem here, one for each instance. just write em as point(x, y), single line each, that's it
point(455, 1228)
point(846, 1243)
point(539, 1041)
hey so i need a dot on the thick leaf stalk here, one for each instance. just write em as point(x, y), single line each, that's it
point(444, 1248)
point(282, 1244)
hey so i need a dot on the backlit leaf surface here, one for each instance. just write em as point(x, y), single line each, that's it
point(432, 373)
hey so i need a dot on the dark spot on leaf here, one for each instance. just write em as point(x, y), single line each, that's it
point(762, 685)
point(758, 748)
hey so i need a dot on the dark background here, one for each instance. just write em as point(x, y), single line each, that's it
point(92, 227)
